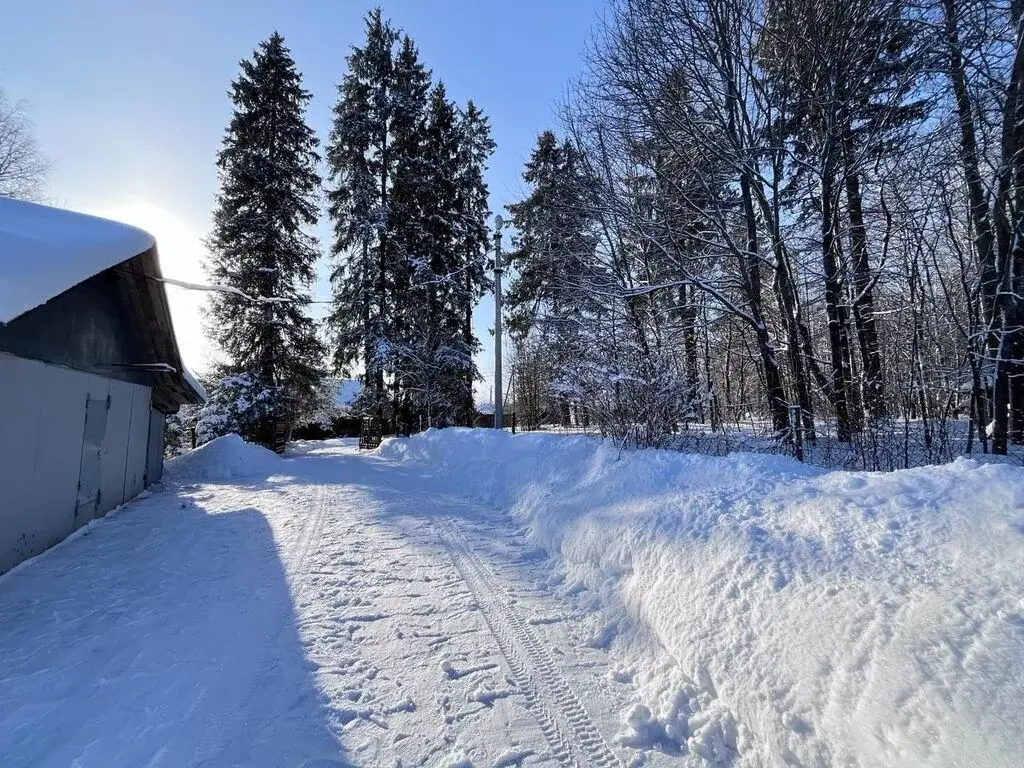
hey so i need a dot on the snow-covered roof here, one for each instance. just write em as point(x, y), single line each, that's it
point(45, 251)
point(194, 383)
point(347, 392)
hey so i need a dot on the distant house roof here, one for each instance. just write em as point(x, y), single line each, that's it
point(347, 392)
point(46, 251)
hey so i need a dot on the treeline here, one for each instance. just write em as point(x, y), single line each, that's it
point(407, 203)
point(804, 212)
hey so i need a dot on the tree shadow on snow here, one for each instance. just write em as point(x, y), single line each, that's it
point(164, 636)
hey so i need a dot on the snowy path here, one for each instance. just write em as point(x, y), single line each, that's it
point(569, 730)
point(468, 599)
point(340, 612)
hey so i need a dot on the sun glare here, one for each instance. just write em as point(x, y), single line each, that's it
point(181, 253)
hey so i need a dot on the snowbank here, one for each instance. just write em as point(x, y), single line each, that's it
point(225, 458)
point(775, 613)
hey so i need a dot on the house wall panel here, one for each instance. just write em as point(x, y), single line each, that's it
point(58, 456)
point(138, 444)
point(155, 457)
point(115, 447)
point(20, 405)
point(42, 425)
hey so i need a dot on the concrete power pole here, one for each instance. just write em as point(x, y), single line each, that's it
point(499, 416)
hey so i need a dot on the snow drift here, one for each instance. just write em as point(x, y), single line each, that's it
point(771, 612)
point(224, 458)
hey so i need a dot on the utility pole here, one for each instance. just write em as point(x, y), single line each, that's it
point(499, 416)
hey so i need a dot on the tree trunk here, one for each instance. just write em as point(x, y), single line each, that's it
point(366, 283)
point(689, 318)
point(467, 337)
point(1013, 276)
point(984, 238)
point(789, 310)
point(778, 405)
point(381, 288)
point(838, 339)
point(863, 303)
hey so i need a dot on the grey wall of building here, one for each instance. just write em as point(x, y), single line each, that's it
point(155, 460)
point(62, 462)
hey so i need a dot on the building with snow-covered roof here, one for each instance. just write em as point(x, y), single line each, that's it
point(346, 393)
point(89, 369)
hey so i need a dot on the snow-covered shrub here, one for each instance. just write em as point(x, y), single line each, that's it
point(322, 408)
point(240, 404)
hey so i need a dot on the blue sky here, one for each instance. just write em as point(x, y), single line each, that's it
point(129, 98)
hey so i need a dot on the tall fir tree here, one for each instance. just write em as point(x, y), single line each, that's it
point(433, 359)
point(471, 232)
point(408, 207)
point(409, 211)
point(260, 243)
point(372, 155)
point(554, 249)
point(354, 203)
point(359, 160)
point(553, 257)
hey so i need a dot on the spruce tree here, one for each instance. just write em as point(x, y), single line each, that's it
point(553, 256)
point(433, 359)
point(360, 168)
point(449, 264)
point(374, 169)
point(260, 243)
point(472, 235)
point(408, 205)
point(410, 210)
point(554, 248)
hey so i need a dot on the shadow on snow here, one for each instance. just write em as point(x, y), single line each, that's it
point(165, 636)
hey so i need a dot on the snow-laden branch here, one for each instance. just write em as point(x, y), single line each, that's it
point(223, 289)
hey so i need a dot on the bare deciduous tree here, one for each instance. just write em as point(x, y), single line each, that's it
point(23, 168)
point(809, 216)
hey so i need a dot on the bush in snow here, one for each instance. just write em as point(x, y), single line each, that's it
point(321, 409)
point(240, 404)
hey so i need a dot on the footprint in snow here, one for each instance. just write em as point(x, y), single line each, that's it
point(453, 673)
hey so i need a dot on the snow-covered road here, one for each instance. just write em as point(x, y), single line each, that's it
point(338, 612)
point(471, 599)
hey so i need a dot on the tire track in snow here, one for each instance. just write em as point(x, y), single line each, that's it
point(310, 537)
point(572, 735)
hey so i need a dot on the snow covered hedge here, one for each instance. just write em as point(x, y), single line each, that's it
point(774, 613)
point(240, 405)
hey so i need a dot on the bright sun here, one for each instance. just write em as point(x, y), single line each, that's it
point(181, 252)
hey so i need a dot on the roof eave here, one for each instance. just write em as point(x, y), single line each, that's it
point(147, 296)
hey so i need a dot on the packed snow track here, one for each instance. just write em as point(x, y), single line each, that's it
point(336, 611)
point(573, 737)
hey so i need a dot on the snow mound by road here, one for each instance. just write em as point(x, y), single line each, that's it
point(774, 613)
point(224, 458)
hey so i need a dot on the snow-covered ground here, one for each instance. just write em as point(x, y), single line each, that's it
point(470, 598)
